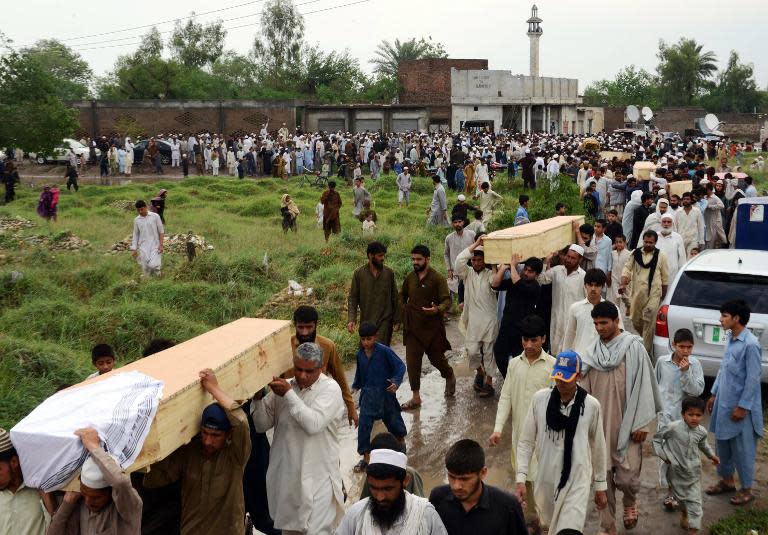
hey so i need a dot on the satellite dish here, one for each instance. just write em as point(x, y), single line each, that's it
point(633, 114)
point(711, 122)
point(647, 114)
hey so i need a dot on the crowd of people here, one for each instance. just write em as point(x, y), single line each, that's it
point(580, 394)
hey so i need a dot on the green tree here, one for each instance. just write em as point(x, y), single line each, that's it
point(330, 69)
point(388, 57)
point(34, 117)
point(278, 47)
point(630, 86)
point(735, 90)
point(684, 68)
point(71, 72)
point(195, 44)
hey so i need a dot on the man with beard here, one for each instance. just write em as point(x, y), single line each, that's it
point(303, 480)
point(671, 244)
point(305, 319)
point(374, 293)
point(390, 509)
point(647, 269)
point(618, 372)
point(567, 282)
point(522, 299)
point(424, 299)
point(690, 224)
point(564, 429)
point(210, 469)
point(466, 504)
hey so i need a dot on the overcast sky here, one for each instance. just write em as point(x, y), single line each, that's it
point(583, 39)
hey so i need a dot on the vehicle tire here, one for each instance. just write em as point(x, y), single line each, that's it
point(165, 160)
point(40, 160)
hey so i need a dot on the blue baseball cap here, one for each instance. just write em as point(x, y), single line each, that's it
point(215, 417)
point(567, 366)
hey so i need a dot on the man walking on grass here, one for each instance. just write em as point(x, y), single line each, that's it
point(147, 240)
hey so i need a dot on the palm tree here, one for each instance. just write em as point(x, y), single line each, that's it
point(684, 70)
point(389, 55)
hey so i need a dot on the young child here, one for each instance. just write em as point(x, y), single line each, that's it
point(678, 375)
point(319, 214)
point(378, 375)
point(290, 212)
point(620, 256)
point(103, 359)
point(369, 225)
point(673, 446)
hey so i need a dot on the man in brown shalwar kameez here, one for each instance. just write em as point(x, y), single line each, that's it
point(374, 293)
point(331, 201)
point(424, 299)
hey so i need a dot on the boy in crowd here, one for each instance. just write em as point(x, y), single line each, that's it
point(378, 375)
point(619, 257)
point(613, 228)
point(103, 359)
point(679, 375)
point(673, 446)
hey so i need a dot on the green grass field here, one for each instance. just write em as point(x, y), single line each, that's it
point(67, 301)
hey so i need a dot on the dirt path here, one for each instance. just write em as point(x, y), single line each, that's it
point(439, 423)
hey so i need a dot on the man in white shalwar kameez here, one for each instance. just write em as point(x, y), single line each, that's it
point(690, 224)
point(147, 240)
point(564, 428)
point(479, 320)
point(303, 479)
point(580, 333)
point(671, 244)
point(567, 282)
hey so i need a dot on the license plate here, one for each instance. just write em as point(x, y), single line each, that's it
point(715, 335)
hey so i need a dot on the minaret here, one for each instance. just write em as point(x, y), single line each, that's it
point(534, 33)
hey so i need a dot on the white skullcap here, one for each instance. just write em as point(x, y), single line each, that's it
point(91, 475)
point(390, 457)
point(578, 249)
point(662, 191)
point(663, 201)
point(527, 151)
point(667, 215)
point(462, 198)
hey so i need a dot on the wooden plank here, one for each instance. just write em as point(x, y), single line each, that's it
point(245, 354)
point(643, 170)
point(679, 187)
point(532, 239)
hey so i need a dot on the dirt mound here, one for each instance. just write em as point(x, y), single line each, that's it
point(61, 241)
point(14, 224)
point(173, 243)
point(123, 204)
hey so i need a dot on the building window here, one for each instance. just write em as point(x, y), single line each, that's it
point(475, 108)
point(499, 93)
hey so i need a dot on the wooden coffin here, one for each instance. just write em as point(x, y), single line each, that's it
point(538, 239)
point(609, 155)
point(245, 355)
point(679, 187)
point(643, 170)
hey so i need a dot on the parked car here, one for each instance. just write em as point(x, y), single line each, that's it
point(141, 146)
point(61, 153)
point(694, 297)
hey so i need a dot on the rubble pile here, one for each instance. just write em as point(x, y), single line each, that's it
point(14, 224)
point(123, 204)
point(63, 241)
point(173, 244)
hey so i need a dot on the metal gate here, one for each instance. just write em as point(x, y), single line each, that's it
point(369, 125)
point(331, 126)
point(405, 125)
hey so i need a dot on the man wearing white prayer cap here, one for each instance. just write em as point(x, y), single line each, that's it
point(21, 510)
point(567, 282)
point(106, 503)
point(390, 509)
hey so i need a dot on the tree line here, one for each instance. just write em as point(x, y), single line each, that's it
point(686, 75)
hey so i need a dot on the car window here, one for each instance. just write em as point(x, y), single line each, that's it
point(703, 289)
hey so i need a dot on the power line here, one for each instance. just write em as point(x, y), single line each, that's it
point(135, 43)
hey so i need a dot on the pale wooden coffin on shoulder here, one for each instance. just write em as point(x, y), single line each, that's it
point(679, 187)
point(245, 355)
point(538, 239)
point(643, 170)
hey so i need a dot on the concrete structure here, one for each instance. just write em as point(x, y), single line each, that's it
point(366, 117)
point(497, 99)
point(534, 34)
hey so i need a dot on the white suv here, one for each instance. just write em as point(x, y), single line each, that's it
point(694, 297)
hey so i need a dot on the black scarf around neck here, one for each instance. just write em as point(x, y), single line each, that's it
point(557, 422)
point(651, 265)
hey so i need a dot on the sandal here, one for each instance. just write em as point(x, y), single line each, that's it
point(450, 386)
point(742, 498)
point(486, 391)
point(684, 520)
point(360, 467)
point(479, 382)
point(630, 517)
point(410, 405)
point(670, 503)
point(720, 488)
